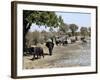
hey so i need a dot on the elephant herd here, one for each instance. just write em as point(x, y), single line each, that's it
point(63, 41)
point(38, 52)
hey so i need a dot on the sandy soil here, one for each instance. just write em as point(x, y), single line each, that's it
point(71, 55)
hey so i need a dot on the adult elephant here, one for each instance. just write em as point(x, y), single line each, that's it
point(37, 52)
point(50, 45)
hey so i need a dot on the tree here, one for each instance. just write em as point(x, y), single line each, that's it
point(84, 31)
point(73, 28)
point(40, 18)
point(64, 28)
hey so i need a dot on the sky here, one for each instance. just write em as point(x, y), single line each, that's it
point(80, 19)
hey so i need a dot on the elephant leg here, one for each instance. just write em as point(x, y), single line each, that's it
point(50, 51)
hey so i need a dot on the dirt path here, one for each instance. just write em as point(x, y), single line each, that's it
point(76, 54)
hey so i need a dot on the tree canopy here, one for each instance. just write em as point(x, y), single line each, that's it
point(42, 18)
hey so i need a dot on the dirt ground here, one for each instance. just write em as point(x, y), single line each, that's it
point(71, 55)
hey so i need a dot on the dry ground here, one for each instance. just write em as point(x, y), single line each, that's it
point(77, 54)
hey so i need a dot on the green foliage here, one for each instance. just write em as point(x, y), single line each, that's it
point(73, 28)
point(60, 21)
point(42, 18)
